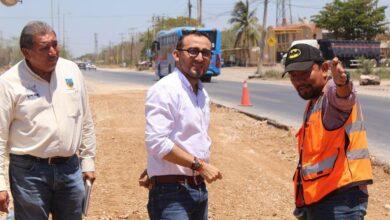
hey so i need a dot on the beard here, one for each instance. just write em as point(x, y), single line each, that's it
point(196, 73)
point(308, 92)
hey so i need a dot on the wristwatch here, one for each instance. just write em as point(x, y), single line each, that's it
point(196, 165)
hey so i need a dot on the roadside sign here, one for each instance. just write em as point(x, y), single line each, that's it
point(271, 41)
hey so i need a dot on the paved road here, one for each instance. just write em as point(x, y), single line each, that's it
point(277, 102)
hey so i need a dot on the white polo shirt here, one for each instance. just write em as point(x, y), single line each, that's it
point(45, 119)
point(176, 115)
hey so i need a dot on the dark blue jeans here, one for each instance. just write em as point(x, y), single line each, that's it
point(39, 189)
point(348, 205)
point(178, 201)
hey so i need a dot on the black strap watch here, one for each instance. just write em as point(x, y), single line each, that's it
point(196, 165)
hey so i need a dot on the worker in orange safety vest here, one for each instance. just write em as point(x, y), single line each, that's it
point(334, 167)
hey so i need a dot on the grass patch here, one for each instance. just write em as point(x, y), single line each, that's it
point(383, 72)
point(272, 74)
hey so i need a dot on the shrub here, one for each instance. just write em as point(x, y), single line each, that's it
point(366, 67)
point(272, 74)
point(383, 73)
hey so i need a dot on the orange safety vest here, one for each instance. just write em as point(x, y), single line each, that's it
point(330, 160)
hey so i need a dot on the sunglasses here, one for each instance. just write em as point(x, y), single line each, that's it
point(194, 52)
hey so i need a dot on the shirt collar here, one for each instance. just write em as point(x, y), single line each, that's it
point(185, 81)
point(31, 72)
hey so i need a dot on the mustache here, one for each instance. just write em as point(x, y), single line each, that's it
point(53, 58)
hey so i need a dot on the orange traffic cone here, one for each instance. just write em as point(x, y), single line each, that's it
point(245, 101)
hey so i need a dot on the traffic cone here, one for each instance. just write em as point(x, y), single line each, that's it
point(245, 101)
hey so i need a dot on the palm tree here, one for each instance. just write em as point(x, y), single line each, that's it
point(246, 27)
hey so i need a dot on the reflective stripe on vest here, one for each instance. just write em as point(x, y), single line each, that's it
point(356, 126)
point(320, 167)
point(358, 154)
point(327, 164)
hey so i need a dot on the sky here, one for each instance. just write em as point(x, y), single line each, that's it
point(76, 21)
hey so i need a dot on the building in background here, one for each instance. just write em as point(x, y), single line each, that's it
point(279, 39)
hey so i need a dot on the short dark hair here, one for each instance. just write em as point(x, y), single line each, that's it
point(186, 33)
point(30, 30)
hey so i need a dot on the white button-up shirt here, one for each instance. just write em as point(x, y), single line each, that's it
point(176, 115)
point(45, 119)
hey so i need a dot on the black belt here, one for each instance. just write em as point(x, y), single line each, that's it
point(49, 160)
point(190, 180)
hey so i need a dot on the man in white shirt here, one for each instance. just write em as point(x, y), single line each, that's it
point(177, 113)
point(47, 127)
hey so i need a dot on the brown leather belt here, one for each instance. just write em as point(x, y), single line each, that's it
point(49, 161)
point(190, 180)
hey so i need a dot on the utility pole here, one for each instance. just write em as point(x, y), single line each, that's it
point(63, 31)
point(96, 46)
point(199, 8)
point(277, 12)
point(122, 51)
point(281, 12)
point(189, 12)
point(131, 35)
point(58, 20)
point(284, 19)
point(148, 40)
point(262, 43)
point(131, 48)
point(289, 4)
point(52, 16)
point(154, 26)
point(110, 52)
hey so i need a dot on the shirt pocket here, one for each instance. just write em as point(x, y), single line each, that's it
point(320, 168)
point(72, 105)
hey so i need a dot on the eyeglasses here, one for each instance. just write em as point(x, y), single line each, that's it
point(194, 52)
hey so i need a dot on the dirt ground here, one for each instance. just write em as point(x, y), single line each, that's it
point(257, 162)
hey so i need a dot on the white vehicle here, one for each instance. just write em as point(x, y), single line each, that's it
point(90, 66)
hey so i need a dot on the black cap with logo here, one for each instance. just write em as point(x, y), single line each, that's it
point(301, 57)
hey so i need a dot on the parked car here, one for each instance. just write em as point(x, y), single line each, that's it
point(384, 62)
point(90, 66)
point(82, 66)
point(144, 65)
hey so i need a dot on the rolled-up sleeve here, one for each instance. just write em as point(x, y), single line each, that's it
point(159, 113)
point(342, 104)
point(6, 114)
point(88, 141)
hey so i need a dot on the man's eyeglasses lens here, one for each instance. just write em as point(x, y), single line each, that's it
point(194, 52)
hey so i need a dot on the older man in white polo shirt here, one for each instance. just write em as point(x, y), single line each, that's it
point(46, 125)
point(178, 116)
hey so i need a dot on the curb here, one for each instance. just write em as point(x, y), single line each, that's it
point(375, 162)
point(257, 117)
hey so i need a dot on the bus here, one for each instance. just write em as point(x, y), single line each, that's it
point(165, 44)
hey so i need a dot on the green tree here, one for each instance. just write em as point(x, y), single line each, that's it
point(245, 26)
point(352, 19)
point(10, 52)
point(166, 23)
point(228, 39)
point(143, 42)
point(64, 52)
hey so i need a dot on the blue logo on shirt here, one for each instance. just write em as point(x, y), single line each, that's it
point(69, 83)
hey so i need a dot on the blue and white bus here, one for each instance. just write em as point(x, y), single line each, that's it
point(166, 41)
